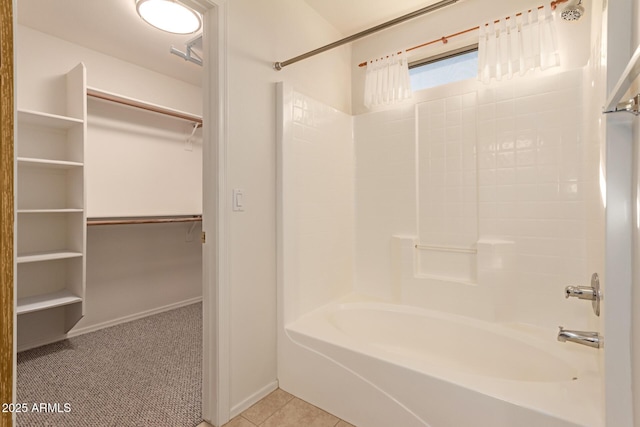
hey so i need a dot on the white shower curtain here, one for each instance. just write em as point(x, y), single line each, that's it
point(387, 80)
point(516, 45)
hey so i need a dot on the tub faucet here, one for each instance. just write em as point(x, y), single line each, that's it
point(591, 339)
point(591, 293)
point(582, 292)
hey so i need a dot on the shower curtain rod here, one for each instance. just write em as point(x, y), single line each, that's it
point(280, 65)
point(445, 39)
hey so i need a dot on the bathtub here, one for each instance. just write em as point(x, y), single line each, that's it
point(379, 365)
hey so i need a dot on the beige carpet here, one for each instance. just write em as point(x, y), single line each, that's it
point(143, 373)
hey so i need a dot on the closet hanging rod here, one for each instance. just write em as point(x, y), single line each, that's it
point(445, 39)
point(280, 65)
point(119, 99)
point(143, 220)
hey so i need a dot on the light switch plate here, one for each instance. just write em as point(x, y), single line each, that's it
point(238, 200)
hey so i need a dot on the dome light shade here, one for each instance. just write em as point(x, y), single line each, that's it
point(169, 15)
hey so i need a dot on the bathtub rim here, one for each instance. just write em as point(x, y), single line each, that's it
point(302, 332)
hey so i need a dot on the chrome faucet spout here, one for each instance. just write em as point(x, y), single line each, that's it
point(590, 339)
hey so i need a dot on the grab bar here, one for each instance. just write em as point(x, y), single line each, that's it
point(457, 249)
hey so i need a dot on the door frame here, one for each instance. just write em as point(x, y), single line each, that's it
point(7, 211)
point(216, 319)
point(215, 216)
point(618, 284)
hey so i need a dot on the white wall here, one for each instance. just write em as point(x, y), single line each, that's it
point(140, 163)
point(259, 33)
point(131, 269)
point(42, 61)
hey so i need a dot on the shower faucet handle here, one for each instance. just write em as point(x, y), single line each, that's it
point(591, 293)
point(582, 292)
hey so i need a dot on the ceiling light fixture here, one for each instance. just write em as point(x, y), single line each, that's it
point(169, 15)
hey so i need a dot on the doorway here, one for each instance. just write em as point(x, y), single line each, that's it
point(215, 388)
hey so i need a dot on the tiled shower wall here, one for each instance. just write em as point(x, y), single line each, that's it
point(319, 192)
point(385, 196)
point(518, 170)
point(533, 177)
point(447, 183)
point(532, 188)
point(447, 187)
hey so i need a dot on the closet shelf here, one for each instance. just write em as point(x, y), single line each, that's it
point(48, 120)
point(43, 211)
point(46, 163)
point(45, 301)
point(47, 256)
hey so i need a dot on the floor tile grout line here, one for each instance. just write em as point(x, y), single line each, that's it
point(276, 411)
point(279, 409)
point(249, 421)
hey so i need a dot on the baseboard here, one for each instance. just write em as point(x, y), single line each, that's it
point(81, 331)
point(253, 399)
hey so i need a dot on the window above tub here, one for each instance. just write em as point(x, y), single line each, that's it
point(453, 66)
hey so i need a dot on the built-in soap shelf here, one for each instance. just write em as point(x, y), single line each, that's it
point(469, 281)
point(446, 262)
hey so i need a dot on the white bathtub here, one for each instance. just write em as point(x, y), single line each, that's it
point(381, 365)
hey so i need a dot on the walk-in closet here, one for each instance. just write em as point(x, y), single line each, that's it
point(109, 217)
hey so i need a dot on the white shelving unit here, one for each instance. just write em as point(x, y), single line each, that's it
point(51, 206)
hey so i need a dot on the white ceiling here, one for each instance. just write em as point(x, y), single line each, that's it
point(352, 16)
point(114, 28)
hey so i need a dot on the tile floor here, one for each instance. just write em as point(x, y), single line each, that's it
point(281, 409)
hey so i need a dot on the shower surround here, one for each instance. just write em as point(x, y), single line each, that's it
point(468, 201)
